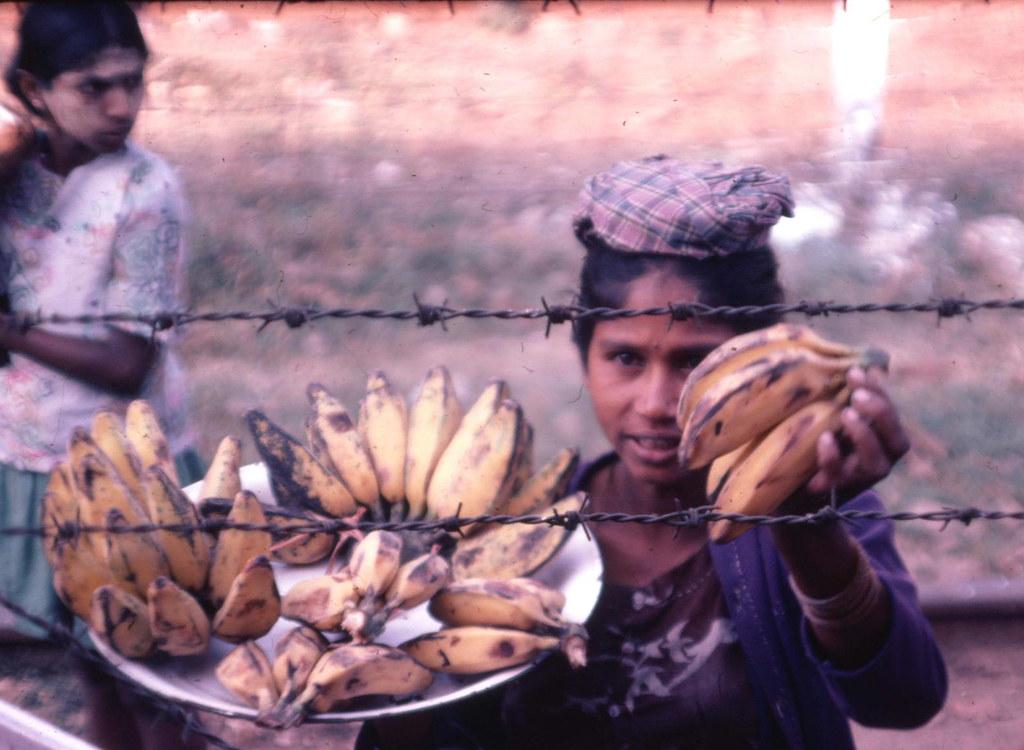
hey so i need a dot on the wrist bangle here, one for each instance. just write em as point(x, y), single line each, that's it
point(851, 606)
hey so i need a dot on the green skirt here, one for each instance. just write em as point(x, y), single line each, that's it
point(25, 575)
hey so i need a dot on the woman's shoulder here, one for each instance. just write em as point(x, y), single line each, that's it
point(148, 168)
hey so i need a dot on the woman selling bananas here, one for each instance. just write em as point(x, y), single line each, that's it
point(89, 223)
point(774, 638)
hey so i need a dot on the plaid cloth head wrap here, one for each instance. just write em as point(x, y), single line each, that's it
point(663, 205)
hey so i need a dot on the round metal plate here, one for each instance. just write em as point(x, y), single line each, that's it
point(575, 570)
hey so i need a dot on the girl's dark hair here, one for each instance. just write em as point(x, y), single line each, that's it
point(749, 278)
point(54, 38)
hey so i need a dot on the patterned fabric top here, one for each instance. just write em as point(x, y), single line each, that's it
point(665, 206)
point(665, 670)
point(106, 238)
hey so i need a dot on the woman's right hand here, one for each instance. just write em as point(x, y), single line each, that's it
point(17, 139)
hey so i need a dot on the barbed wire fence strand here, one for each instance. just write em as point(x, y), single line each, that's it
point(427, 315)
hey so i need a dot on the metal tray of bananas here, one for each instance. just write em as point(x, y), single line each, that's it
point(575, 570)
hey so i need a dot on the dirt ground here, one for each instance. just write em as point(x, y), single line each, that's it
point(985, 659)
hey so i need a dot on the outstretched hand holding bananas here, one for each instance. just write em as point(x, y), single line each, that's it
point(781, 414)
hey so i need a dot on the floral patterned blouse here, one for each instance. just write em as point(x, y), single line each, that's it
point(106, 238)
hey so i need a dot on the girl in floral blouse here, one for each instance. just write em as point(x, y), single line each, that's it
point(89, 223)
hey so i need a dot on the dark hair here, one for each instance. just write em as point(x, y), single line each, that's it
point(747, 278)
point(54, 38)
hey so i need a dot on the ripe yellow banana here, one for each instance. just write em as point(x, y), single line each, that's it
point(120, 619)
point(188, 552)
point(77, 572)
point(235, 547)
point(478, 480)
point(252, 605)
point(475, 649)
point(296, 477)
point(473, 421)
point(544, 487)
point(222, 479)
point(375, 561)
point(321, 601)
point(384, 426)
point(246, 673)
point(143, 430)
point(740, 351)
point(722, 467)
point(335, 441)
point(180, 626)
point(501, 603)
point(109, 436)
point(512, 550)
point(776, 466)
point(295, 655)
point(101, 490)
point(522, 463)
point(417, 581)
point(433, 420)
point(350, 671)
point(134, 558)
point(755, 398)
point(58, 510)
point(303, 548)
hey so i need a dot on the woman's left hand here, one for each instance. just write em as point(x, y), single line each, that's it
point(872, 437)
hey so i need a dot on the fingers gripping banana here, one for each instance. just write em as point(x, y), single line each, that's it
point(188, 552)
point(752, 400)
point(433, 420)
point(235, 547)
point(512, 550)
point(143, 430)
point(476, 649)
point(109, 436)
point(296, 477)
point(222, 478)
point(478, 480)
point(252, 605)
point(121, 620)
point(180, 626)
point(246, 672)
point(384, 425)
point(776, 466)
point(337, 444)
point(350, 671)
point(499, 603)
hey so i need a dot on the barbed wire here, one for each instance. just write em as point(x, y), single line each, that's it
point(63, 636)
point(426, 315)
point(684, 518)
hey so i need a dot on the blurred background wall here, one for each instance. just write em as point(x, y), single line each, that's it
point(353, 154)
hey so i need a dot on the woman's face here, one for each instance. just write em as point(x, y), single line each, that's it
point(636, 368)
point(95, 106)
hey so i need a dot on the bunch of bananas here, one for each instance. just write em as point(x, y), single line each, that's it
point(427, 460)
point(754, 409)
point(488, 625)
point(164, 590)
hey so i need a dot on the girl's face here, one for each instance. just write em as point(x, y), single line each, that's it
point(636, 368)
point(95, 106)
